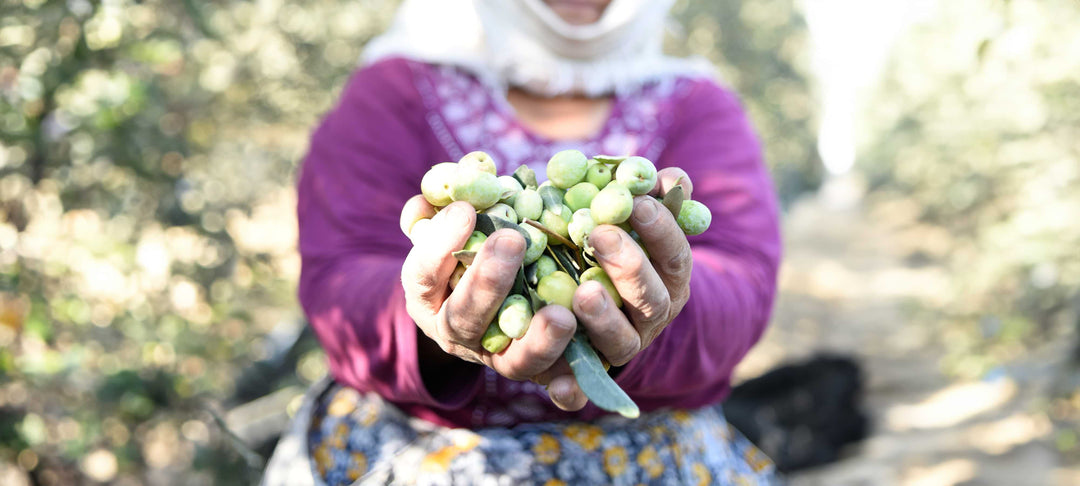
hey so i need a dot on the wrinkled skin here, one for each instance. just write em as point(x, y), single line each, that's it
point(653, 292)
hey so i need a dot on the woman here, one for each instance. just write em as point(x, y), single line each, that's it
point(521, 80)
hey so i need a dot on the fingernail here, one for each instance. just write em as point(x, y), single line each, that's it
point(645, 211)
point(561, 391)
point(558, 330)
point(594, 303)
point(507, 247)
point(606, 241)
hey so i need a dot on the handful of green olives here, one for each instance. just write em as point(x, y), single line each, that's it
point(555, 218)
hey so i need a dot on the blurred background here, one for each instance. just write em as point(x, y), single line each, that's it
point(927, 154)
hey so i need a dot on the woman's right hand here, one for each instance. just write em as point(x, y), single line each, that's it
point(457, 319)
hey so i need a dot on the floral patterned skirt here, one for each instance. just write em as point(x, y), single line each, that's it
point(357, 438)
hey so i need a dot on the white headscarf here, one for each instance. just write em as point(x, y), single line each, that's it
point(524, 43)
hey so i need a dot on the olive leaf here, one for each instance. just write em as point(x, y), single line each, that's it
point(488, 224)
point(526, 176)
point(519, 282)
point(610, 159)
point(466, 257)
point(553, 199)
point(674, 199)
point(594, 380)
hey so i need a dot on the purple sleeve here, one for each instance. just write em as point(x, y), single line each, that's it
point(733, 280)
point(366, 159)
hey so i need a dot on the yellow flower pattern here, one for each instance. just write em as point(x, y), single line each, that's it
point(615, 461)
point(661, 448)
point(649, 461)
point(702, 476)
point(756, 459)
point(587, 436)
point(547, 449)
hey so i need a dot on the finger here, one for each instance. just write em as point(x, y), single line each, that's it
point(670, 177)
point(644, 294)
point(473, 303)
point(561, 367)
point(667, 245)
point(549, 332)
point(415, 209)
point(566, 394)
point(607, 327)
point(427, 269)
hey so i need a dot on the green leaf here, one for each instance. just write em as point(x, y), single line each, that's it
point(594, 379)
point(674, 199)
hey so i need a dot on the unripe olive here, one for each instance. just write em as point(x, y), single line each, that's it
point(557, 288)
point(581, 224)
point(478, 160)
point(638, 174)
point(455, 277)
point(435, 186)
point(598, 175)
point(545, 265)
point(598, 274)
point(537, 243)
point(567, 168)
point(515, 316)
point(503, 211)
point(478, 188)
point(580, 196)
point(511, 187)
point(494, 340)
point(529, 205)
point(475, 241)
point(556, 223)
point(694, 218)
point(612, 205)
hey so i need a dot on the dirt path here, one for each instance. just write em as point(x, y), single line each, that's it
point(847, 286)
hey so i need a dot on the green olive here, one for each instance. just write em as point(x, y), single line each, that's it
point(580, 196)
point(537, 243)
point(475, 241)
point(598, 274)
point(612, 205)
point(545, 265)
point(598, 175)
point(479, 188)
point(637, 174)
point(478, 160)
point(435, 186)
point(694, 218)
point(556, 223)
point(511, 188)
point(515, 316)
point(494, 340)
point(567, 168)
point(557, 288)
point(455, 277)
point(529, 205)
point(581, 225)
point(503, 211)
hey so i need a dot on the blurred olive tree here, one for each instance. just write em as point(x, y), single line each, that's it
point(977, 127)
point(147, 227)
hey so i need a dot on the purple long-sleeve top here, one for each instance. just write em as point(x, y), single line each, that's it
point(398, 117)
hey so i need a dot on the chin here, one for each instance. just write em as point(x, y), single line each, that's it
point(578, 12)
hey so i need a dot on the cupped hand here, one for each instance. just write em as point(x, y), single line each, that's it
point(456, 319)
point(653, 288)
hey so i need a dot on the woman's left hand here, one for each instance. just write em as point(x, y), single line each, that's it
point(653, 292)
